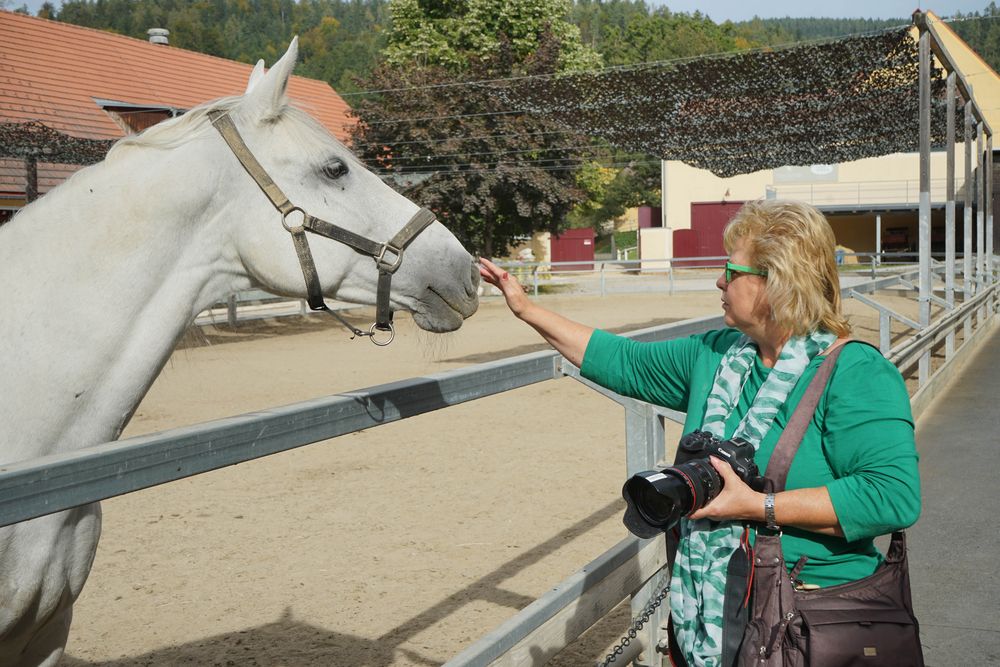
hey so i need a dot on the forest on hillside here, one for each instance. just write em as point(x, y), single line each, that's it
point(343, 40)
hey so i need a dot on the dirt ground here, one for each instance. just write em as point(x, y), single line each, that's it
point(398, 545)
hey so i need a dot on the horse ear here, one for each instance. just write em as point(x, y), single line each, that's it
point(255, 76)
point(267, 95)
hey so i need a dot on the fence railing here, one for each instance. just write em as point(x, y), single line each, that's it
point(49, 484)
point(671, 274)
point(601, 277)
point(256, 305)
point(863, 192)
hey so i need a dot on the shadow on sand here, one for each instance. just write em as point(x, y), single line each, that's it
point(288, 642)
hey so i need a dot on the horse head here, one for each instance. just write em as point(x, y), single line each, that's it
point(436, 280)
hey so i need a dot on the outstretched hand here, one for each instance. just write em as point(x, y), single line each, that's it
point(508, 285)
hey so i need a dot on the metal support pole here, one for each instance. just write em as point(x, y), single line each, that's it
point(231, 311)
point(925, 197)
point(884, 332)
point(980, 206)
point(30, 179)
point(968, 287)
point(980, 218)
point(644, 436)
point(989, 209)
point(949, 223)
point(878, 239)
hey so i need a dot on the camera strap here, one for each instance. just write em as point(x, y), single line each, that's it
point(776, 474)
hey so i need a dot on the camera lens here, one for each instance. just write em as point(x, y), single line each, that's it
point(662, 497)
point(659, 507)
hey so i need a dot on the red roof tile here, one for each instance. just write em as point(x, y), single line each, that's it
point(53, 72)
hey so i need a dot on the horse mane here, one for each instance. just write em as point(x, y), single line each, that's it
point(177, 131)
point(174, 131)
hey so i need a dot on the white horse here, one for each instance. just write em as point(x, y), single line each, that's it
point(100, 278)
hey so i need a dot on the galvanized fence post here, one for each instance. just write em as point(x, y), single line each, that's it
point(924, 217)
point(644, 437)
point(949, 231)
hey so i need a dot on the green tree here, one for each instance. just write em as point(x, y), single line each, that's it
point(982, 35)
point(456, 33)
point(492, 174)
point(612, 191)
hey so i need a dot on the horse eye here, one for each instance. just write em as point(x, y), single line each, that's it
point(334, 169)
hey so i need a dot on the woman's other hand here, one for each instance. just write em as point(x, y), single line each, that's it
point(513, 292)
point(736, 501)
point(810, 509)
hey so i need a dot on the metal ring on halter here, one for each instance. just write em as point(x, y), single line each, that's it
point(297, 228)
point(392, 334)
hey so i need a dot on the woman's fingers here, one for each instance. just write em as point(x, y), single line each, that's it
point(492, 273)
point(512, 290)
point(733, 501)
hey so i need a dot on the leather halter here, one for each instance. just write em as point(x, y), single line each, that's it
point(388, 256)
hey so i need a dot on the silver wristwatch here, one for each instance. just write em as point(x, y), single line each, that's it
point(769, 520)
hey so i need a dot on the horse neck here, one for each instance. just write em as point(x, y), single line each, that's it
point(99, 279)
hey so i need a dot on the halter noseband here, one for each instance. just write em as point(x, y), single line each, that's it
point(388, 256)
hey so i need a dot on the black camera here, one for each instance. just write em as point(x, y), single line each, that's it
point(657, 499)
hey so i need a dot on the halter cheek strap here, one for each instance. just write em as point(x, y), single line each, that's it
point(388, 256)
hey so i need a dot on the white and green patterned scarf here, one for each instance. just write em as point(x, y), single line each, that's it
point(698, 580)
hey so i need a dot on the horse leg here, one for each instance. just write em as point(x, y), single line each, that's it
point(46, 562)
point(46, 647)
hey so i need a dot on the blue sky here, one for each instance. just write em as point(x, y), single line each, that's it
point(740, 10)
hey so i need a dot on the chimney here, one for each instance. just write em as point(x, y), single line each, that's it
point(158, 35)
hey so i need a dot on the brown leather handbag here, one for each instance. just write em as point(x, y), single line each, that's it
point(866, 622)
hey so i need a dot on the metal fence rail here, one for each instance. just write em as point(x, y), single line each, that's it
point(50, 484)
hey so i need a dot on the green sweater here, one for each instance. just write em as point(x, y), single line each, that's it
point(859, 444)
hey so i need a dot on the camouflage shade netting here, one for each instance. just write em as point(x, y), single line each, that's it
point(810, 104)
point(35, 140)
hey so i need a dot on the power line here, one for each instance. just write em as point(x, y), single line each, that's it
point(472, 138)
point(540, 149)
point(462, 172)
point(467, 115)
point(525, 165)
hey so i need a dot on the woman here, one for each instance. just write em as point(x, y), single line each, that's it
point(855, 474)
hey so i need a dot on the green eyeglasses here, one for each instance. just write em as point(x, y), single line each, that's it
point(737, 269)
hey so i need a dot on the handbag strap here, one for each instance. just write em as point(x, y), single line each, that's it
point(788, 444)
point(791, 437)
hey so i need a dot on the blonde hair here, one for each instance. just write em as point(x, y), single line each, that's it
point(794, 243)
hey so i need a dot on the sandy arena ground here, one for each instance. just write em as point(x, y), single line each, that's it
point(398, 545)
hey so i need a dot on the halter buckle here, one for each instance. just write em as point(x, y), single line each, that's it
point(389, 267)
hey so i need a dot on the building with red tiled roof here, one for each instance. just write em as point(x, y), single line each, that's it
point(90, 84)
